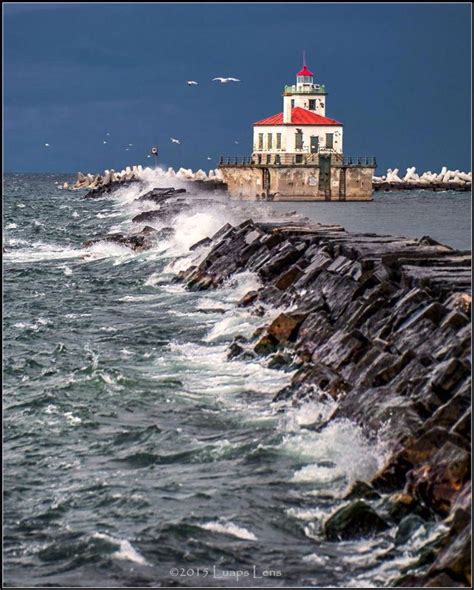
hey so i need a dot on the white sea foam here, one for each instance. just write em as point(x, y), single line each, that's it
point(35, 326)
point(339, 452)
point(310, 413)
point(316, 559)
point(229, 528)
point(11, 226)
point(104, 249)
point(125, 551)
point(233, 325)
point(71, 419)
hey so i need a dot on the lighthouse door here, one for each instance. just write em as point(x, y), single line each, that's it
point(325, 176)
point(266, 180)
point(314, 144)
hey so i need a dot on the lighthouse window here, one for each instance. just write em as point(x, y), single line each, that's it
point(312, 104)
point(269, 141)
point(292, 103)
point(260, 141)
point(298, 141)
point(329, 140)
point(278, 146)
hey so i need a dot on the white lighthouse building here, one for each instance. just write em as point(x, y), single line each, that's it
point(297, 154)
point(301, 129)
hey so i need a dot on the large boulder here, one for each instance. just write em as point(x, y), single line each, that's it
point(353, 522)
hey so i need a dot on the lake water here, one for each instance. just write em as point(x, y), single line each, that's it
point(135, 453)
point(445, 216)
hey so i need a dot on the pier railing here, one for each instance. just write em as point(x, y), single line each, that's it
point(275, 160)
point(235, 161)
point(293, 89)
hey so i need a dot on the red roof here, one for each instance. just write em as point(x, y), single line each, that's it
point(305, 72)
point(299, 116)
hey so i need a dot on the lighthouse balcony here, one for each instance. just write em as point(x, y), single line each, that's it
point(310, 89)
point(298, 159)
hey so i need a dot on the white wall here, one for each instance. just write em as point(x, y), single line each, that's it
point(288, 137)
point(302, 100)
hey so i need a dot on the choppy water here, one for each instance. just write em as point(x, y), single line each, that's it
point(132, 446)
point(445, 216)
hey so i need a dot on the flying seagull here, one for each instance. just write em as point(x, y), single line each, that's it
point(107, 134)
point(130, 145)
point(209, 158)
point(175, 140)
point(46, 145)
point(191, 83)
point(225, 80)
point(104, 141)
point(236, 142)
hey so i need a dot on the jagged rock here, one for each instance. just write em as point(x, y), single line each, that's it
point(357, 520)
point(280, 360)
point(248, 299)
point(379, 323)
point(442, 580)
point(361, 489)
point(400, 505)
point(407, 527)
point(266, 345)
point(438, 482)
point(285, 326)
point(203, 242)
point(159, 195)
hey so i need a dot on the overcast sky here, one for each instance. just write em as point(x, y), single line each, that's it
point(398, 77)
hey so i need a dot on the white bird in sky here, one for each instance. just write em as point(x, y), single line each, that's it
point(191, 83)
point(104, 141)
point(47, 145)
point(236, 142)
point(209, 158)
point(225, 80)
point(130, 145)
point(107, 134)
point(175, 140)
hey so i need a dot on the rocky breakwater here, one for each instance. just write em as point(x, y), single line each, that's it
point(379, 325)
point(444, 180)
point(99, 185)
point(169, 202)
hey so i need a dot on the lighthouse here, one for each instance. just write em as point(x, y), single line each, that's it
point(302, 127)
point(297, 154)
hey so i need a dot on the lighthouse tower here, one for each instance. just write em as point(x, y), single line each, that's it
point(304, 94)
point(302, 128)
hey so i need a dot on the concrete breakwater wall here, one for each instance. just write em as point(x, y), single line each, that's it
point(104, 183)
point(444, 180)
point(381, 325)
point(214, 179)
point(378, 328)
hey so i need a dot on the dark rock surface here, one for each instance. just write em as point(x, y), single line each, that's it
point(143, 240)
point(382, 325)
point(354, 521)
point(406, 186)
point(105, 189)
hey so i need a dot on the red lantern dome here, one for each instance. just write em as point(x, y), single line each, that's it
point(305, 72)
